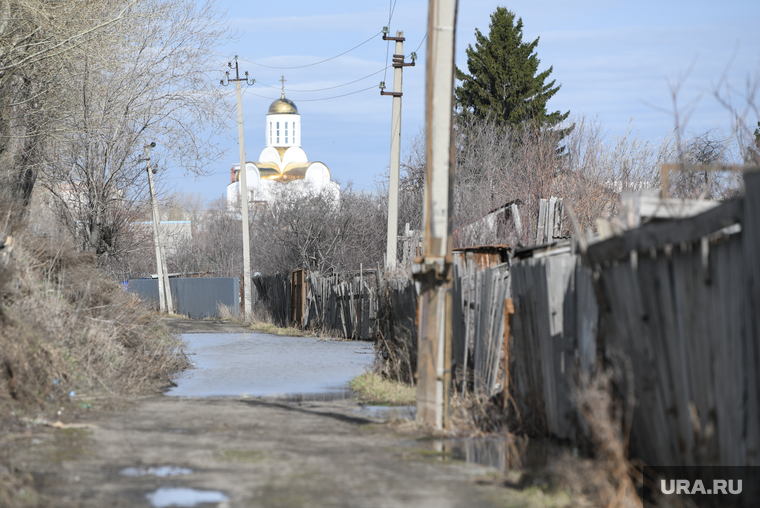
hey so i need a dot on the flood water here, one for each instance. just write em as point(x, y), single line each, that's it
point(262, 365)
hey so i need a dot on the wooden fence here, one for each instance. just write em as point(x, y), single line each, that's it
point(549, 225)
point(479, 290)
point(681, 300)
point(271, 297)
point(678, 313)
point(554, 337)
point(345, 306)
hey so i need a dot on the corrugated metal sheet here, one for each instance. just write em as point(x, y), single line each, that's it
point(195, 297)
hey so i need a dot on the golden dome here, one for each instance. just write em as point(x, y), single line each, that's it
point(283, 106)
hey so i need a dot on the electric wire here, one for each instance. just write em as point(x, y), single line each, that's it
point(321, 61)
point(323, 89)
point(320, 99)
point(423, 40)
point(391, 9)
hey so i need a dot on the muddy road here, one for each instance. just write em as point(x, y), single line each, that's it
point(249, 450)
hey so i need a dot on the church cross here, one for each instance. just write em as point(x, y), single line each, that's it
point(283, 86)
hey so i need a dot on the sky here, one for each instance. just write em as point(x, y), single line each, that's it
point(615, 60)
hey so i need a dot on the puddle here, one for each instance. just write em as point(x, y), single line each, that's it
point(503, 454)
point(180, 496)
point(389, 412)
point(160, 471)
point(261, 365)
point(335, 393)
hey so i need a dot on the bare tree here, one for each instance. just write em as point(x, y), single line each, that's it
point(38, 42)
point(498, 166)
point(152, 82)
point(314, 230)
point(744, 108)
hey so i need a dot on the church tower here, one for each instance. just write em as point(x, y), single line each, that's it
point(283, 124)
point(282, 159)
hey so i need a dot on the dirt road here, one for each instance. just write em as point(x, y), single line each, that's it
point(252, 453)
point(242, 452)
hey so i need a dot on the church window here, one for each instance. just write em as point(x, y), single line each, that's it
point(286, 132)
point(278, 132)
point(294, 133)
point(270, 133)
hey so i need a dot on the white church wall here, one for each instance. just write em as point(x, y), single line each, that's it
point(289, 130)
point(284, 131)
point(318, 175)
point(253, 181)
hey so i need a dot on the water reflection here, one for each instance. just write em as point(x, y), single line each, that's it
point(502, 453)
point(160, 471)
point(181, 496)
point(389, 412)
point(263, 365)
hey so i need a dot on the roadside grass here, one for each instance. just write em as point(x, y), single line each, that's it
point(262, 327)
point(69, 336)
point(373, 388)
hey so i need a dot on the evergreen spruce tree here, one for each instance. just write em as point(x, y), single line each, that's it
point(503, 83)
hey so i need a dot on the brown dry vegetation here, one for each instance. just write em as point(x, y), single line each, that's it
point(65, 328)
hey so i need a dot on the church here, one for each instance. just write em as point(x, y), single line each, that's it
point(282, 161)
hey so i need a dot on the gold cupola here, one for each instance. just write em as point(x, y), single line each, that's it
point(283, 106)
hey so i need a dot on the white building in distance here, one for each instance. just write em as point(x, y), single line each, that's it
point(282, 162)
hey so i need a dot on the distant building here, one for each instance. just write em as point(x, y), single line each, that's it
point(282, 162)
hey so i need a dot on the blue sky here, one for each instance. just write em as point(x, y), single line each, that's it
point(614, 60)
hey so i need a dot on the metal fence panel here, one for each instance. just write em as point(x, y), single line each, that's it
point(195, 297)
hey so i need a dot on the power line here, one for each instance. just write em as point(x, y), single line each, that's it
point(320, 99)
point(390, 15)
point(423, 40)
point(328, 88)
point(321, 61)
point(339, 96)
point(391, 8)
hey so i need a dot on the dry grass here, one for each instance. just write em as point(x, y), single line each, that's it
point(373, 388)
point(66, 328)
point(278, 330)
point(608, 478)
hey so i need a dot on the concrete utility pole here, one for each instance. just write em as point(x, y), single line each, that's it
point(398, 67)
point(163, 272)
point(243, 191)
point(433, 271)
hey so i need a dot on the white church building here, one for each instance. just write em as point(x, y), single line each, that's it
point(282, 161)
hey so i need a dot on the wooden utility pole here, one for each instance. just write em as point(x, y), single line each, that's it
point(433, 270)
point(398, 67)
point(164, 290)
point(243, 191)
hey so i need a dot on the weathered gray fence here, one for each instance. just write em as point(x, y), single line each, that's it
point(549, 225)
point(679, 304)
point(347, 306)
point(554, 330)
point(680, 299)
point(397, 326)
point(480, 288)
point(196, 297)
point(271, 296)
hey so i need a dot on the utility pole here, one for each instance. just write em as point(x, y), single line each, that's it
point(433, 270)
point(398, 67)
point(163, 272)
point(243, 190)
